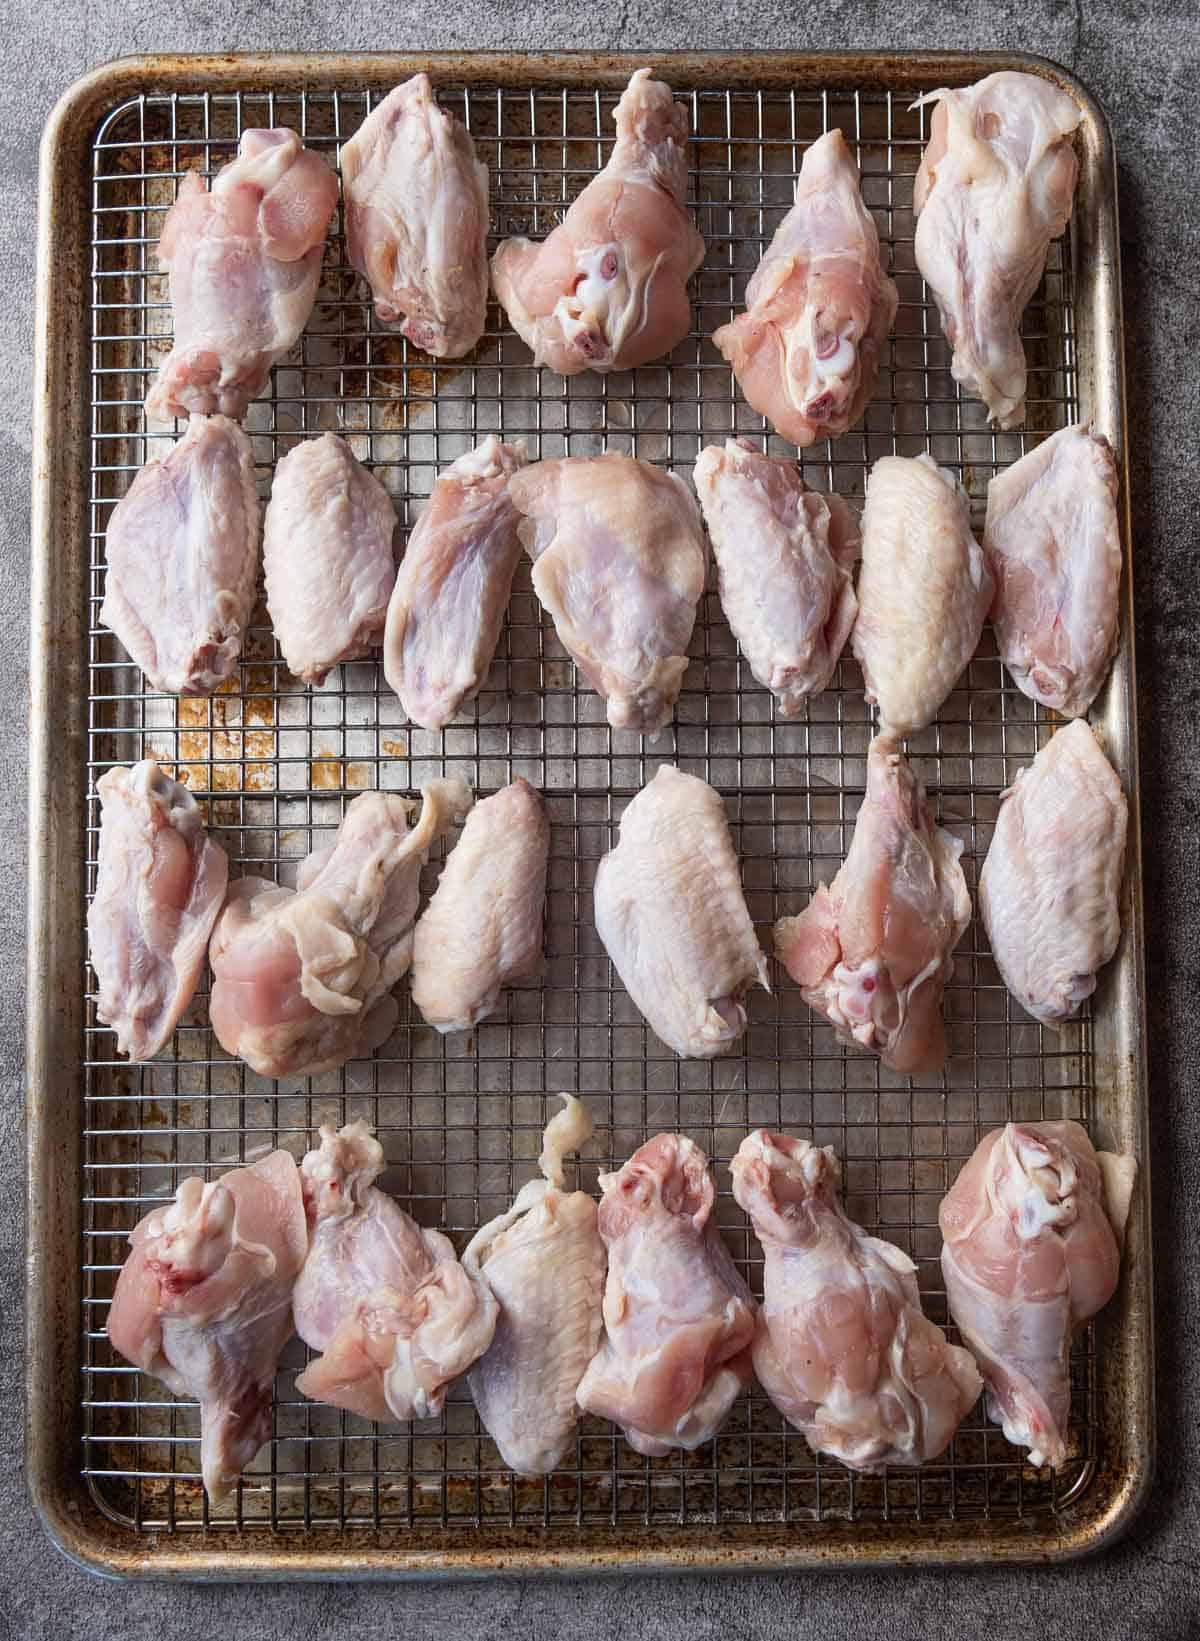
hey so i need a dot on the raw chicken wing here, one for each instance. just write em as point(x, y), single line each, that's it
point(482, 930)
point(818, 308)
point(619, 563)
point(608, 289)
point(417, 220)
point(393, 1313)
point(204, 1303)
point(1054, 547)
point(303, 978)
point(873, 951)
point(443, 621)
point(182, 559)
point(923, 592)
point(670, 911)
point(785, 556)
point(244, 264)
point(159, 886)
point(679, 1321)
point(544, 1262)
point(1033, 1228)
point(843, 1348)
point(996, 185)
point(1049, 887)
point(327, 553)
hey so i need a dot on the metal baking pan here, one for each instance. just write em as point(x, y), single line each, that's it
point(112, 1458)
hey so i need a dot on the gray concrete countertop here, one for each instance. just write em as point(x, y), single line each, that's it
point(1143, 62)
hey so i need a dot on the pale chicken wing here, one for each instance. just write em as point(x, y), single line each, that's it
point(818, 308)
point(160, 883)
point(394, 1315)
point(204, 1303)
point(670, 910)
point(1050, 885)
point(843, 1348)
point(303, 978)
point(1033, 1227)
point(679, 1320)
point(924, 591)
point(482, 930)
point(544, 1262)
point(244, 264)
point(608, 289)
point(619, 563)
point(873, 951)
point(417, 219)
point(996, 185)
point(327, 555)
point(1053, 544)
point(453, 587)
point(785, 557)
point(181, 558)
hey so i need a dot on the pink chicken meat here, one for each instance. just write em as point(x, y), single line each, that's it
point(818, 308)
point(204, 1303)
point(159, 887)
point(844, 1349)
point(619, 562)
point(417, 219)
point(679, 1320)
point(873, 951)
point(608, 289)
point(181, 559)
point(1033, 1227)
point(393, 1314)
point(786, 557)
point(303, 978)
point(244, 262)
point(1053, 544)
point(995, 186)
point(448, 602)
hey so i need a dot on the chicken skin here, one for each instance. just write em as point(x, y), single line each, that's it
point(544, 1262)
point(160, 883)
point(1033, 1228)
point(327, 554)
point(785, 556)
point(1053, 545)
point(619, 563)
point(182, 560)
point(1050, 885)
point(873, 951)
point(417, 220)
point(818, 308)
point(996, 185)
point(303, 978)
point(608, 289)
point(924, 591)
point(843, 1348)
point(204, 1303)
point(482, 930)
point(395, 1316)
point(670, 911)
point(448, 603)
point(244, 262)
point(679, 1321)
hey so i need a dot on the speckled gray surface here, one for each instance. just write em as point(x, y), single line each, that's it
point(1143, 62)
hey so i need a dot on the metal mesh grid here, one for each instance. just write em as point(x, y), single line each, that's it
point(461, 1119)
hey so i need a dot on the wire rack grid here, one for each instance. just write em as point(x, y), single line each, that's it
point(275, 764)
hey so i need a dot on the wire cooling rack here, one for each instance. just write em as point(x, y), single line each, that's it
point(275, 765)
